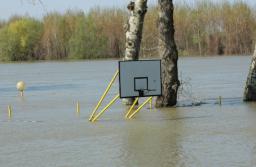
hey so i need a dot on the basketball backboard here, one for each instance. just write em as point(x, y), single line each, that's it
point(140, 78)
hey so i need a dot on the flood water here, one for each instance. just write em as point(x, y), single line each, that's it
point(45, 130)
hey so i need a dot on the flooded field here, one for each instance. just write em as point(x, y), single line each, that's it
point(46, 131)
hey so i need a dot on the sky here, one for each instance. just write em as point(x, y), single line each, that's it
point(9, 8)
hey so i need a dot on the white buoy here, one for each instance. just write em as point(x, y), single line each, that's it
point(21, 87)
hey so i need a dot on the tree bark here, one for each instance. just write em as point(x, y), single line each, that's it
point(133, 30)
point(250, 88)
point(169, 54)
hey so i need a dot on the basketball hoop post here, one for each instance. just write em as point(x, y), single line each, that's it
point(130, 110)
point(104, 109)
point(104, 95)
point(150, 103)
point(142, 105)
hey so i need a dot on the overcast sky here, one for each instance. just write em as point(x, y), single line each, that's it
point(22, 7)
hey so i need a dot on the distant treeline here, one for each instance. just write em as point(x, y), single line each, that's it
point(205, 28)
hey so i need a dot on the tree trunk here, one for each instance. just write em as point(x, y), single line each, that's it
point(133, 30)
point(199, 42)
point(169, 54)
point(250, 88)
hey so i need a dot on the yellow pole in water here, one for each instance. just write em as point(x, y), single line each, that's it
point(150, 104)
point(142, 105)
point(78, 107)
point(104, 95)
point(220, 100)
point(130, 110)
point(104, 109)
point(9, 111)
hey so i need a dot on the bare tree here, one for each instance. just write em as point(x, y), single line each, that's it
point(168, 52)
point(133, 30)
point(250, 88)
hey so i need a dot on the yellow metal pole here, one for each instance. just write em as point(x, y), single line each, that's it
point(78, 107)
point(104, 109)
point(130, 110)
point(104, 95)
point(9, 111)
point(142, 105)
point(150, 104)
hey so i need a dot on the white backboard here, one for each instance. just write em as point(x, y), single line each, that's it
point(140, 78)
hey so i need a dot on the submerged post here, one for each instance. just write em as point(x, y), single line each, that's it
point(150, 104)
point(142, 105)
point(9, 111)
point(130, 110)
point(104, 95)
point(220, 100)
point(78, 107)
point(103, 110)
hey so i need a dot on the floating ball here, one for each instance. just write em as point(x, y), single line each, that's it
point(21, 86)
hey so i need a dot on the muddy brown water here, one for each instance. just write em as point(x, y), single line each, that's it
point(46, 131)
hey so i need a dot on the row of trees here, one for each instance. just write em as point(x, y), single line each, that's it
point(206, 28)
point(73, 35)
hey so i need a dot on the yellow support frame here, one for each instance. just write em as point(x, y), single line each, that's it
point(94, 118)
point(142, 105)
point(104, 95)
point(130, 110)
point(104, 109)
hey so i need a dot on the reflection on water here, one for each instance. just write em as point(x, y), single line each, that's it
point(46, 131)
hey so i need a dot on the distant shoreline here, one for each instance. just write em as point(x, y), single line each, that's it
point(111, 59)
point(206, 28)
